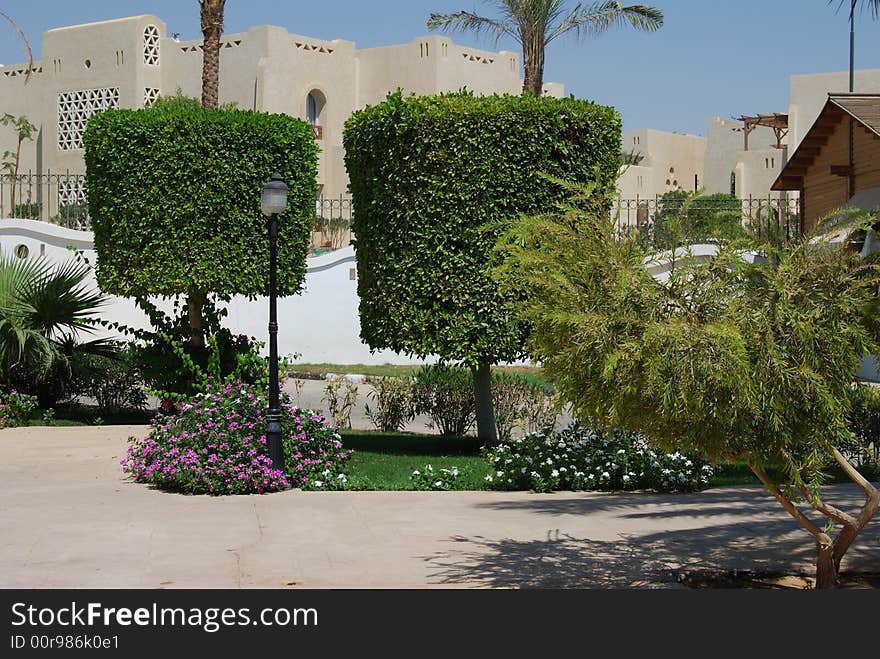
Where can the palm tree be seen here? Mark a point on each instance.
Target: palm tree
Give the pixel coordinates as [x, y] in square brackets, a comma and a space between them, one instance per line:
[536, 23]
[212, 27]
[874, 6]
[211, 12]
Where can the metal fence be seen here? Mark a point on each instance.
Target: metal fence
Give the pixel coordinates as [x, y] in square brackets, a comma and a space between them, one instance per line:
[60, 198]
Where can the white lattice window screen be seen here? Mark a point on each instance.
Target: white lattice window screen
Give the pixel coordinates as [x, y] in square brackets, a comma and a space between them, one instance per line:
[74, 110]
[71, 191]
[151, 45]
[150, 96]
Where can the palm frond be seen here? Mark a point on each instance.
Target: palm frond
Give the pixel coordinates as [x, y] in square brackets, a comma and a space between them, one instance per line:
[872, 5]
[465, 21]
[602, 16]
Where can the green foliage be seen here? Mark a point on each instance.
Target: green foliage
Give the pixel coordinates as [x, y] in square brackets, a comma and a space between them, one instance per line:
[446, 394]
[440, 480]
[174, 198]
[28, 210]
[24, 131]
[340, 396]
[115, 383]
[394, 405]
[578, 458]
[521, 402]
[43, 310]
[685, 217]
[16, 408]
[731, 359]
[433, 180]
[865, 425]
[72, 215]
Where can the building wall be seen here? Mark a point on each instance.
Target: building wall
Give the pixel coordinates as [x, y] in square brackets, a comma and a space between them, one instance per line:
[808, 94]
[755, 169]
[671, 161]
[266, 68]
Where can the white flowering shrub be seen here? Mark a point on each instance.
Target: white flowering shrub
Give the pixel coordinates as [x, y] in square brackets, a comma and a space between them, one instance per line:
[429, 478]
[578, 458]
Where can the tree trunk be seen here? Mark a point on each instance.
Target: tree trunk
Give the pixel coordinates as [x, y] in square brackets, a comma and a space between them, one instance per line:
[212, 28]
[826, 567]
[533, 69]
[486, 431]
[194, 302]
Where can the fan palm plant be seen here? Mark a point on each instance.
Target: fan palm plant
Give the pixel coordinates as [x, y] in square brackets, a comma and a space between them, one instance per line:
[536, 23]
[43, 310]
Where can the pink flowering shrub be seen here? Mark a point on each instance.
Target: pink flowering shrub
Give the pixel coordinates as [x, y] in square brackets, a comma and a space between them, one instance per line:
[216, 444]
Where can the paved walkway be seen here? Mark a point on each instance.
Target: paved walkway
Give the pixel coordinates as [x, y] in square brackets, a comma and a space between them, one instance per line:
[70, 519]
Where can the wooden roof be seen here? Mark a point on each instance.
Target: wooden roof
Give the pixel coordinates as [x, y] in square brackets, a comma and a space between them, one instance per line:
[864, 108]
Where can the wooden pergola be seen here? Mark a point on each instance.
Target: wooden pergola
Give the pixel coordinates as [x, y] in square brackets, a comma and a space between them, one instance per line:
[776, 120]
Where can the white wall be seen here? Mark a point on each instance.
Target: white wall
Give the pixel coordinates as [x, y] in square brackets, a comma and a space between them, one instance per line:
[322, 323]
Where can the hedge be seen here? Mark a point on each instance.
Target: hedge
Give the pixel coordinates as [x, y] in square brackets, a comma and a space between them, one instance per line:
[174, 199]
[428, 176]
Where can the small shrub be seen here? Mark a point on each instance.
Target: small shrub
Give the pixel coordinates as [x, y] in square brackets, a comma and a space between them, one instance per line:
[394, 404]
[16, 408]
[30, 210]
[521, 402]
[578, 458]
[865, 425]
[116, 384]
[340, 396]
[216, 444]
[445, 393]
[429, 479]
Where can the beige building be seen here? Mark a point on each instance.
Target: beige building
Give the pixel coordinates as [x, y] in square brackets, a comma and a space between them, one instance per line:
[129, 62]
[666, 161]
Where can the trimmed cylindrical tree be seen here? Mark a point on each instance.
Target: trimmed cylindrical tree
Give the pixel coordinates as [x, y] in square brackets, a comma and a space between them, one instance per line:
[174, 199]
[434, 180]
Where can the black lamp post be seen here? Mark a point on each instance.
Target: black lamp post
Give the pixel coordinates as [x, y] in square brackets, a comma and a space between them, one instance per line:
[273, 200]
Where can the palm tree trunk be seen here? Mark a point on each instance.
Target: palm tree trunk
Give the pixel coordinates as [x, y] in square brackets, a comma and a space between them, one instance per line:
[212, 28]
[533, 66]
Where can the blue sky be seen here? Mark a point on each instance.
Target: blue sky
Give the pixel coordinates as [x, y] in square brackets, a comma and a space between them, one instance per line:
[712, 58]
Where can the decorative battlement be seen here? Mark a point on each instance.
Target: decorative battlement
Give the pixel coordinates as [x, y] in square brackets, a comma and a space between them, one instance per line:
[14, 72]
[195, 47]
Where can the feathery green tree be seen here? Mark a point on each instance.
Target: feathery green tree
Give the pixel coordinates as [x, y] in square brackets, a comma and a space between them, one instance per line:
[733, 359]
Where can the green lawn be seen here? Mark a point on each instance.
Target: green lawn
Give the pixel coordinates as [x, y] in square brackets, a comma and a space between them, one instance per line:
[385, 461]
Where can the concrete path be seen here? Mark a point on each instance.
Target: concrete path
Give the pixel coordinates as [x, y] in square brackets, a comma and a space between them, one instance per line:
[68, 518]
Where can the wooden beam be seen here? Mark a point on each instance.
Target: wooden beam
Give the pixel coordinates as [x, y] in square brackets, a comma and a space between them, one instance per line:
[822, 130]
[818, 140]
[808, 151]
[789, 183]
[841, 170]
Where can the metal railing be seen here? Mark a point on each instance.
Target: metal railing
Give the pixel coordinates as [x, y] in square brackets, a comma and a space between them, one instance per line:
[59, 198]
[707, 217]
